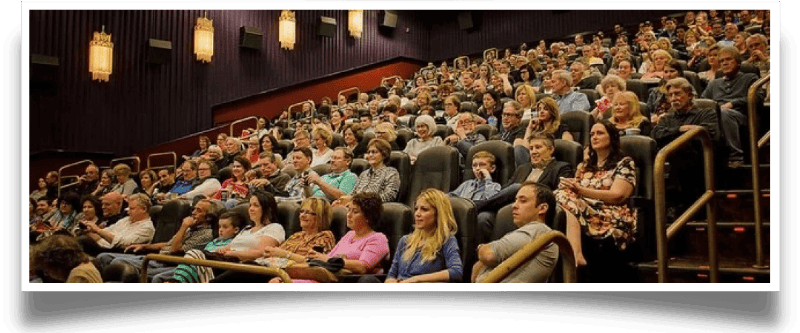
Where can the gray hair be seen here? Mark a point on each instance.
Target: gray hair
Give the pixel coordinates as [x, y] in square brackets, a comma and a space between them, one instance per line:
[562, 75]
[733, 52]
[517, 107]
[613, 79]
[683, 84]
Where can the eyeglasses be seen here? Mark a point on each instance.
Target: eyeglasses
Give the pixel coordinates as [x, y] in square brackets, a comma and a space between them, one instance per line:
[380, 133]
[373, 151]
[307, 212]
[506, 114]
[203, 169]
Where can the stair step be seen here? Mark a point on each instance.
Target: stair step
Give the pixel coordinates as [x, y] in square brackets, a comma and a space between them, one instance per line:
[735, 240]
[688, 269]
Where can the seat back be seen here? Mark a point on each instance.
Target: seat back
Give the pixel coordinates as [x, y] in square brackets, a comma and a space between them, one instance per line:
[504, 160]
[568, 151]
[486, 130]
[241, 210]
[644, 110]
[436, 167]
[539, 96]
[339, 222]
[468, 106]
[637, 87]
[285, 147]
[592, 95]
[705, 103]
[169, 219]
[443, 131]
[579, 123]
[322, 169]
[696, 82]
[396, 221]
[403, 137]
[465, 215]
[338, 141]
[410, 108]
[358, 166]
[289, 217]
[400, 161]
[288, 133]
[643, 150]
[462, 97]
[504, 222]
[225, 174]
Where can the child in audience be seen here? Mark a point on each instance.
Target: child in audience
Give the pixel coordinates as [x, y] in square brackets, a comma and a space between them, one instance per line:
[482, 187]
[229, 225]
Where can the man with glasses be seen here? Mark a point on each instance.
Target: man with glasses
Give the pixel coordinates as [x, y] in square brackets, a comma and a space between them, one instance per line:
[340, 181]
[183, 185]
[465, 135]
[270, 172]
[511, 120]
[302, 139]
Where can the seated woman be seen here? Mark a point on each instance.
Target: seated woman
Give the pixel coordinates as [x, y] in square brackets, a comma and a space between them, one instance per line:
[204, 142]
[147, 179]
[626, 114]
[215, 155]
[528, 76]
[253, 150]
[353, 137]
[657, 101]
[596, 204]
[425, 126]
[40, 191]
[501, 84]
[92, 211]
[63, 221]
[315, 222]
[379, 178]
[337, 121]
[362, 248]
[207, 185]
[268, 145]
[234, 190]
[713, 63]
[106, 183]
[548, 121]
[430, 253]
[125, 185]
[249, 243]
[386, 131]
[659, 60]
[61, 258]
[322, 141]
[526, 97]
[492, 109]
[609, 87]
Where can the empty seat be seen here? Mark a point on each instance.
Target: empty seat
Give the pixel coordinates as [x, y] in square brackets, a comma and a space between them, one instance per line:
[396, 221]
[579, 123]
[436, 167]
[284, 147]
[170, 218]
[568, 151]
[400, 161]
[637, 87]
[504, 160]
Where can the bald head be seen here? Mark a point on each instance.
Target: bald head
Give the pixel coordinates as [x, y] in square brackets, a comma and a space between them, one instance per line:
[111, 203]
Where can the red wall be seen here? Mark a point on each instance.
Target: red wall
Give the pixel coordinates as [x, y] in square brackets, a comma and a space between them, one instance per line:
[272, 103]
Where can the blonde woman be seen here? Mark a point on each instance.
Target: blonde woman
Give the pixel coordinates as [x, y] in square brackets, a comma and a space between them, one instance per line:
[125, 185]
[548, 121]
[430, 253]
[656, 68]
[322, 141]
[526, 96]
[385, 131]
[627, 115]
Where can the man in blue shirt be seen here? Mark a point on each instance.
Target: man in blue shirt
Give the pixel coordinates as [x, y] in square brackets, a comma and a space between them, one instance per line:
[567, 99]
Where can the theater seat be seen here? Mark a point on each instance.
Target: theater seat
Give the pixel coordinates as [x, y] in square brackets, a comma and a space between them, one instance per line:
[486, 130]
[568, 151]
[579, 123]
[504, 160]
[465, 215]
[539, 96]
[443, 131]
[705, 103]
[637, 87]
[643, 150]
[403, 137]
[696, 82]
[644, 110]
[322, 169]
[400, 161]
[225, 174]
[284, 147]
[396, 221]
[338, 141]
[289, 217]
[592, 95]
[339, 222]
[468, 106]
[436, 167]
[242, 210]
[359, 165]
[169, 219]
[462, 97]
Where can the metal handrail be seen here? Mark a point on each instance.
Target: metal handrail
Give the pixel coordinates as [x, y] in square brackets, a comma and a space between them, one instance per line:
[491, 49]
[763, 141]
[358, 91]
[289, 109]
[530, 251]
[241, 121]
[252, 269]
[174, 160]
[131, 158]
[455, 63]
[754, 145]
[662, 233]
[69, 184]
[396, 77]
[69, 166]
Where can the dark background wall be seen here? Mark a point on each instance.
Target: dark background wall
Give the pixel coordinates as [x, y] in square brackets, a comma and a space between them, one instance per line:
[143, 105]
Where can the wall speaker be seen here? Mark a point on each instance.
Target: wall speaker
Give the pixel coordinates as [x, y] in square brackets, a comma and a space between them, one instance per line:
[465, 21]
[250, 37]
[326, 26]
[389, 19]
[158, 51]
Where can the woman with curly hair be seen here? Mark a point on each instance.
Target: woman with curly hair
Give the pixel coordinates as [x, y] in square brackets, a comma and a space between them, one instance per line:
[60, 258]
[626, 114]
[548, 121]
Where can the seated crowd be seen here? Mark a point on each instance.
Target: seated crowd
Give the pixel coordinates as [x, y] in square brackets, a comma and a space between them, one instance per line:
[357, 156]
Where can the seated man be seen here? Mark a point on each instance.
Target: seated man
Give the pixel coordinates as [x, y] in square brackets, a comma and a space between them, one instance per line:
[112, 209]
[183, 185]
[567, 99]
[512, 130]
[295, 189]
[134, 229]
[88, 182]
[44, 210]
[730, 93]
[340, 181]
[465, 135]
[194, 233]
[302, 139]
[533, 208]
[759, 55]
[270, 172]
[233, 148]
[482, 187]
[166, 180]
[580, 79]
[366, 121]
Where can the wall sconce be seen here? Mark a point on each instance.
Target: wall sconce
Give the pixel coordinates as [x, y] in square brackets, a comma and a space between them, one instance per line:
[355, 23]
[204, 38]
[286, 29]
[101, 50]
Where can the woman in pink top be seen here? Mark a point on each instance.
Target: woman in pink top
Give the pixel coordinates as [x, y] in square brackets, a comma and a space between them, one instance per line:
[361, 248]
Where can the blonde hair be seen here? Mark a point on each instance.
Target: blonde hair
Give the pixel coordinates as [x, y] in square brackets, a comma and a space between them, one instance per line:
[633, 108]
[122, 169]
[322, 208]
[429, 245]
[392, 134]
[485, 154]
[529, 91]
[324, 133]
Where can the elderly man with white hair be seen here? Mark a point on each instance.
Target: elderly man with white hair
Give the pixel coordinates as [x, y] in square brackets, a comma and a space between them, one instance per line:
[567, 99]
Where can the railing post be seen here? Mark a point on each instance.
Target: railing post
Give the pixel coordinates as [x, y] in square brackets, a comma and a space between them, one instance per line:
[756, 172]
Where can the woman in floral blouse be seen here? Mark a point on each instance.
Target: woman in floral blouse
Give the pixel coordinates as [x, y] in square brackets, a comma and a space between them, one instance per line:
[595, 201]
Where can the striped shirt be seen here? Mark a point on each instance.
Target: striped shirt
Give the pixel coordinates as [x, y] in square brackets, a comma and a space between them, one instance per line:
[385, 181]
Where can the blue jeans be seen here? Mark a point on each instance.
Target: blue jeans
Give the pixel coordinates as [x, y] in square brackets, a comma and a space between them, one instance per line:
[158, 271]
